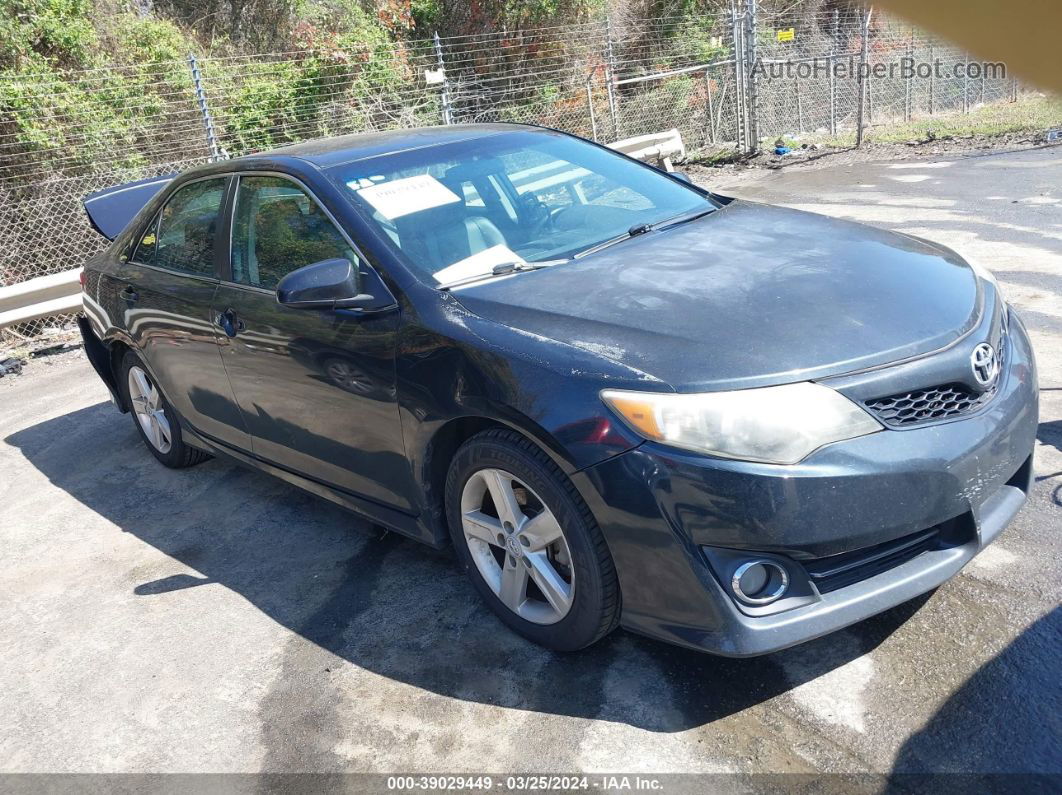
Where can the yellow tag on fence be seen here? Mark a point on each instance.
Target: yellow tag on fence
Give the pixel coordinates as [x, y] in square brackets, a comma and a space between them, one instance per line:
[786, 34]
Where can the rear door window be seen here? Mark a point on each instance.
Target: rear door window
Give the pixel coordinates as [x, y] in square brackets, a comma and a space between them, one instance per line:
[145, 249]
[182, 237]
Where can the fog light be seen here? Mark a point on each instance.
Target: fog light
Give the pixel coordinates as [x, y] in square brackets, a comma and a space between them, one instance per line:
[759, 582]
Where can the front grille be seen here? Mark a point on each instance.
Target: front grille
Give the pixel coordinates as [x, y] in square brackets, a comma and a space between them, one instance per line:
[928, 405]
[837, 571]
[935, 402]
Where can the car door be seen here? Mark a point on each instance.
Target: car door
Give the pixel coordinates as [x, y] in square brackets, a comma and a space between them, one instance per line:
[317, 388]
[165, 292]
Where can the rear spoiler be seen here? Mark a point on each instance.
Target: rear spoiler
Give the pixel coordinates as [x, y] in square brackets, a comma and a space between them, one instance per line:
[110, 210]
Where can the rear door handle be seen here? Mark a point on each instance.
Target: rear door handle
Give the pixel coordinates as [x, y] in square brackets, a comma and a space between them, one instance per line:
[129, 294]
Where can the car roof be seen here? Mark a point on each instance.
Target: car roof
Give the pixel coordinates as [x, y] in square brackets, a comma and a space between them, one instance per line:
[325, 152]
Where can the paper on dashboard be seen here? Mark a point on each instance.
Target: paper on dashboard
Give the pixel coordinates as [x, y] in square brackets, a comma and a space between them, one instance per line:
[405, 196]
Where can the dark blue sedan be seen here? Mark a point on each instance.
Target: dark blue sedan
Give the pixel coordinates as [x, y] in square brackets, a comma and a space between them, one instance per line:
[621, 399]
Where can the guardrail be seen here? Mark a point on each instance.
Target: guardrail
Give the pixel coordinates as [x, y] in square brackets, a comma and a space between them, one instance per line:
[56, 294]
[655, 146]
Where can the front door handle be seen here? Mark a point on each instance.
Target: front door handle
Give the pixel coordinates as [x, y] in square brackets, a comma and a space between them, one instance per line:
[129, 294]
[230, 322]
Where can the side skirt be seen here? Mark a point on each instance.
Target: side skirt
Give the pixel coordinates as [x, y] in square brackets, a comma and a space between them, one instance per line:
[399, 522]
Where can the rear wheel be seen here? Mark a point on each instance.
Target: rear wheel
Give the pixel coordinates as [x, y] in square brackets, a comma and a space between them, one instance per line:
[529, 544]
[155, 420]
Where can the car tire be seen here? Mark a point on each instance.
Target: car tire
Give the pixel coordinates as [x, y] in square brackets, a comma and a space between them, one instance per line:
[575, 570]
[140, 392]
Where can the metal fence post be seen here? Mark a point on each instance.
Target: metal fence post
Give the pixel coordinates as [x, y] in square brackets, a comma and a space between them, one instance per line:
[907, 80]
[864, 56]
[932, 74]
[711, 111]
[750, 32]
[447, 110]
[216, 151]
[870, 100]
[966, 83]
[740, 95]
[590, 103]
[610, 79]
[833, 71]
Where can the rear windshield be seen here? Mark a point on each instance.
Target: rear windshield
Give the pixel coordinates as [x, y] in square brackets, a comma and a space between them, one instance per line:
[459, 210]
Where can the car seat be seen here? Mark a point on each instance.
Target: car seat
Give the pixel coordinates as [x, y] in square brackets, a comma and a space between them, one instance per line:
[441, 236]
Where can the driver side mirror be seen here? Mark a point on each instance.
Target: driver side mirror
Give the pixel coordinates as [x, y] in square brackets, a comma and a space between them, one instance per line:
[328, 284]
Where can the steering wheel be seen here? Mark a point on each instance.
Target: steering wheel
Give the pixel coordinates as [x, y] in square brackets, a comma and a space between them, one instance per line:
[558, 214]
[536, 212]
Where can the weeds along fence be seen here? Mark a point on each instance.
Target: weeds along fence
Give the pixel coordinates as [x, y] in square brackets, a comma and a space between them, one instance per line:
[727, 81]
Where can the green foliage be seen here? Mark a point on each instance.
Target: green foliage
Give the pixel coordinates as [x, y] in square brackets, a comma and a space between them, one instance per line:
[335, 83]
[705, 44]
[427, 16]
[267, 97]
[135, 104]
[51, 31]
[345, 68]
[461, 17]
[66, 99]
[146, 40]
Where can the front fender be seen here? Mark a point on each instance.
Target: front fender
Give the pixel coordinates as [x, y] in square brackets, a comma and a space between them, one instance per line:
[547, 389]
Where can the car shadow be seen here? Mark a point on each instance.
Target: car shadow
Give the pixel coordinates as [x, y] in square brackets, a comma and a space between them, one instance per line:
[984, 728]
[1051, 433]
[388, 604]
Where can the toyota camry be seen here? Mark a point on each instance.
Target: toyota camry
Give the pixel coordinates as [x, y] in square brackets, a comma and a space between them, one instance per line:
[622, 400]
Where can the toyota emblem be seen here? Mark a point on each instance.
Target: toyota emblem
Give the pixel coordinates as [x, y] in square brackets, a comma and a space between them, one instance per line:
[985, 364]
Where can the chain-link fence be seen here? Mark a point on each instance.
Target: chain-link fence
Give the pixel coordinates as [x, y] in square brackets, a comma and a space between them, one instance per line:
[909, 74]
[725, 81]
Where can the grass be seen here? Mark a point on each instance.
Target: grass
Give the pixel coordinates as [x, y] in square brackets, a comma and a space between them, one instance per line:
[1029, 115]
[715, 157]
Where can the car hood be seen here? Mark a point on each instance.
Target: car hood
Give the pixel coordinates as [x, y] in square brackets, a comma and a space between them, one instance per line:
[749, 295]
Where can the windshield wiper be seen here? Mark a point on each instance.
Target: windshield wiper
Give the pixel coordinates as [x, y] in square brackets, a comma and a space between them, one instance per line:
[634, 231]
[641, 229]
[503, 269]
[682, 218]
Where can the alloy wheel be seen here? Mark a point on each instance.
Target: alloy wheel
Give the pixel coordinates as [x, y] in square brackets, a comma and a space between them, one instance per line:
[518, 546]
[147, 405]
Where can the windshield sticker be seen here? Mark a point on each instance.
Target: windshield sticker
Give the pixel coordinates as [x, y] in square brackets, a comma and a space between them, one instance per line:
[404, 196]
[479, 264]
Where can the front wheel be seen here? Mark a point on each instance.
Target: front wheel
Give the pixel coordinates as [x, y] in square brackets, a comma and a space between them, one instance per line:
[529, 543]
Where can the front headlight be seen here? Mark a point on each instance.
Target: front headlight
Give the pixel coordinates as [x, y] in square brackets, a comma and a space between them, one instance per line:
[775, 425]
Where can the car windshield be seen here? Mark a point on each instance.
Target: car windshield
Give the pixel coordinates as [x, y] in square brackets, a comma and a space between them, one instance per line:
[475, 207]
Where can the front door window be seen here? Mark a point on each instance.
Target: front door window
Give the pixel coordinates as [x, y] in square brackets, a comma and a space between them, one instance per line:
[278, 228]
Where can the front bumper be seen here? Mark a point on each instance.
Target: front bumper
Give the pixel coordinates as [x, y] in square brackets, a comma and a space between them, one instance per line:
[663, 511]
